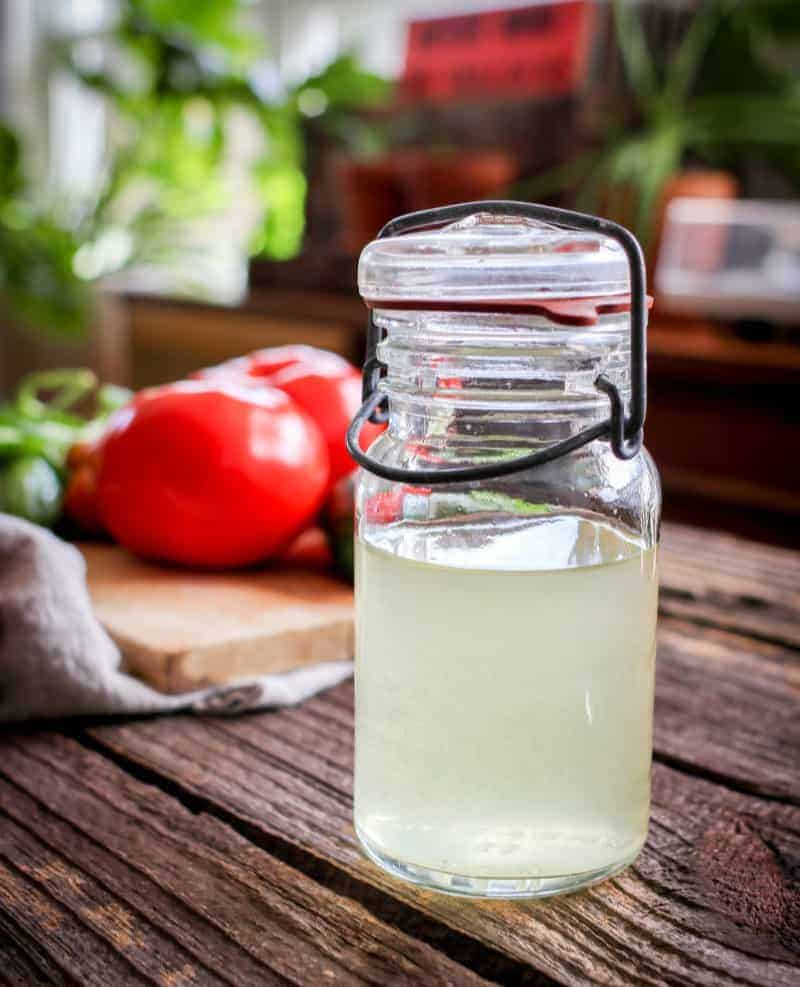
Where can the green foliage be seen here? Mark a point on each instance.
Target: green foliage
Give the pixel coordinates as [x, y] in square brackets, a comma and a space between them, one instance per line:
[188, 65]
[176, 73]
[36, 252]
[724, 93]
[10, 165]
[37, 275]
[332, 95]
[199, 24]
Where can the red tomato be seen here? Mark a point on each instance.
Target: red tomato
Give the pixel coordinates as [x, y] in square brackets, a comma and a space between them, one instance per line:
[80, 496]
[80, 499]
[265, 363]
[208, 473]
[310, 550]
[324, 384]
[332, 396]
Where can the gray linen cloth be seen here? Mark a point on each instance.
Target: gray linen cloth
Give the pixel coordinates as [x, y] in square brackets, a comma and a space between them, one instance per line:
[56, 659]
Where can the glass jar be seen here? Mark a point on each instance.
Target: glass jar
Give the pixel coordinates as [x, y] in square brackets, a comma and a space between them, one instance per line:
[505, 624]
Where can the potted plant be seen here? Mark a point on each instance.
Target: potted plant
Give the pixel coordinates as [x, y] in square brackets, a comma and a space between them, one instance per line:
[374, 189]
[724, 93]
[50, 263]
[179, 81]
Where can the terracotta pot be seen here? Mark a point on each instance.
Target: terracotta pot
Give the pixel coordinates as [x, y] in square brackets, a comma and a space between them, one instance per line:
[621, 203]
[375, 191]
[694, 183]
[369, 196]
[438, 178]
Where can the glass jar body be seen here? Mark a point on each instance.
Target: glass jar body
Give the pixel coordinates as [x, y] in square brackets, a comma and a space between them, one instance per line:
[504, 653]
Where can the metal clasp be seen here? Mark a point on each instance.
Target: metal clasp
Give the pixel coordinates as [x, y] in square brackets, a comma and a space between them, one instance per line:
[623, 432]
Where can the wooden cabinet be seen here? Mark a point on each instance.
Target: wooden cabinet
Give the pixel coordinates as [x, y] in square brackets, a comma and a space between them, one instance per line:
[723, 425]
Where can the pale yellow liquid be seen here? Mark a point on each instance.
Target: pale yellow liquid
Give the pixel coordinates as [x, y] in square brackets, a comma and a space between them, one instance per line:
[504, 712]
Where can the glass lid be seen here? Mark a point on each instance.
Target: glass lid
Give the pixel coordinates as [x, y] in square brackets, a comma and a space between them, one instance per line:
[489, 259]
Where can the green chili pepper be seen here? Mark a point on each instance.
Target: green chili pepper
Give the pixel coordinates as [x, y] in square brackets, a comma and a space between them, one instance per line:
[67, 387]
[30, 488]
[110, 397]
[37, 434]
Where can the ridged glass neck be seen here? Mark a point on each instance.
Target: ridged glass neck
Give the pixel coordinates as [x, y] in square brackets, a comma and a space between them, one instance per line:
[497, 380]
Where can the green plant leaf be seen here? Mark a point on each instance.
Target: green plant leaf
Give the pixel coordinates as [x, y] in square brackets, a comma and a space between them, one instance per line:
[11, 180]
[346, 83]
[740, 120]
[283, 187]
[216, 24]
[685, 65]
[778, 18]
[554, 180]
[636, 56]
[176, 71]
[37, 277]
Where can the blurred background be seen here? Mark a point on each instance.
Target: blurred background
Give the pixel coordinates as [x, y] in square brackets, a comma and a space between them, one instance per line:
[182, 181]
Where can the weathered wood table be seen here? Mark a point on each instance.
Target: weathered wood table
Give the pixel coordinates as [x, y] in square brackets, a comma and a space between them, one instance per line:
[185, 851]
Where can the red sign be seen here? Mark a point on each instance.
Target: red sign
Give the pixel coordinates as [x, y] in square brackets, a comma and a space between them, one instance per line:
[539, 50]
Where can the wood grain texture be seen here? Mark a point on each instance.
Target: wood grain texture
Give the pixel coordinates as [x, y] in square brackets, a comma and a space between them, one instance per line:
[710, 900]
[727, 582]
[728, 707]
[201, 855]
[182, 630]
[120, 885]
[170, 340]
[24, 962]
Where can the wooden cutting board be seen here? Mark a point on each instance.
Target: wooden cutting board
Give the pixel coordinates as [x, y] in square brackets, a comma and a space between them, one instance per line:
[182, 629]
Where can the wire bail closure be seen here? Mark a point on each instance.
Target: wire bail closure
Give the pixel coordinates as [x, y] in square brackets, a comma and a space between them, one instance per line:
[623, 432]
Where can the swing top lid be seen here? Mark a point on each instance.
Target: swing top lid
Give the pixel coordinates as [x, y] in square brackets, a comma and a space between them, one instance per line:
[498, 263]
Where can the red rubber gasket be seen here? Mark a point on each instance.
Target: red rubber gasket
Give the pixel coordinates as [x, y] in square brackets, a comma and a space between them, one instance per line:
[563, 311]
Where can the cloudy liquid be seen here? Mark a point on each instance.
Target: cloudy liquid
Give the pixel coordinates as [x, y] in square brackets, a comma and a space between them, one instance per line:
[503, 712]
